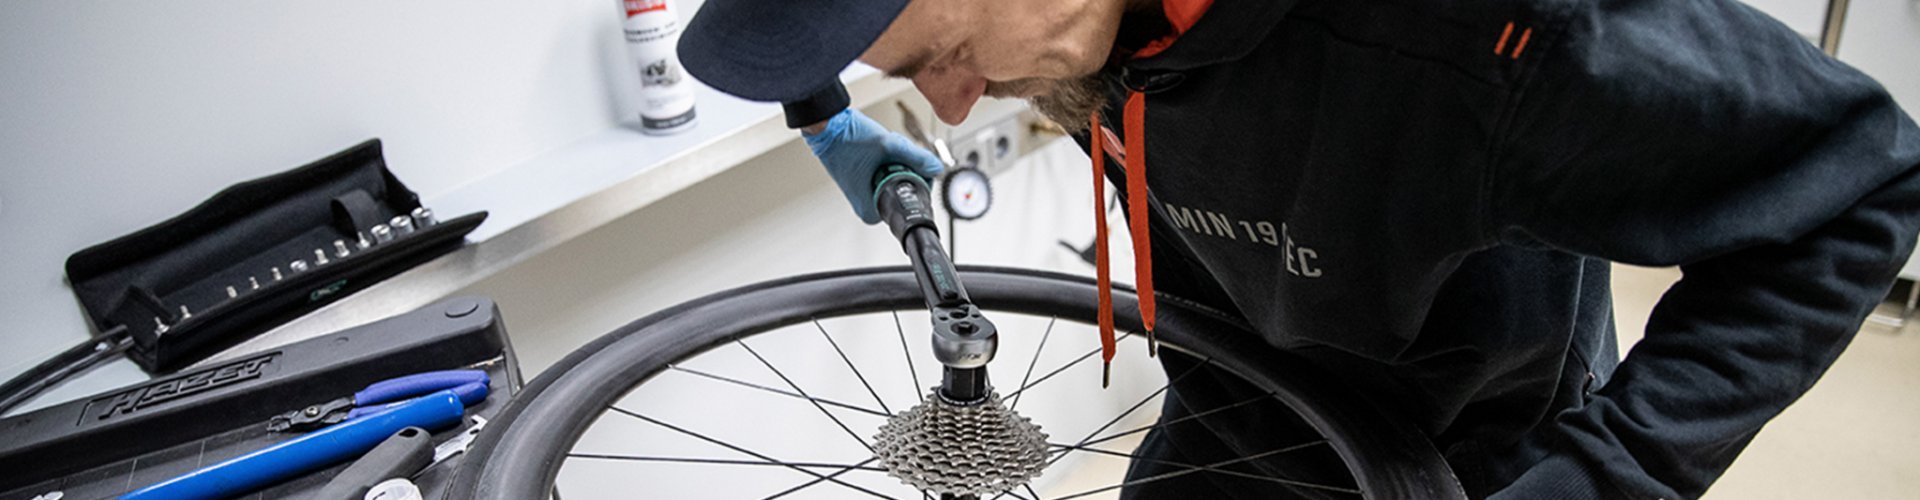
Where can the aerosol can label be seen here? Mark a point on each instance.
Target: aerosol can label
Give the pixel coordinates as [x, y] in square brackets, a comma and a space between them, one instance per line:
[666, 97]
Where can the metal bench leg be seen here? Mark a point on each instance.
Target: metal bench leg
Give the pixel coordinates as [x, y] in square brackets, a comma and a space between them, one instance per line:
[1907, 310]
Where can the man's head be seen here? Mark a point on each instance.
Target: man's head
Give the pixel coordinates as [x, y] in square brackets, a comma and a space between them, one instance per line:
[955, 51]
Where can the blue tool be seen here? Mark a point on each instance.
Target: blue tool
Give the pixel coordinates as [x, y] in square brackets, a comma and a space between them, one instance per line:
[313, 451]
[377, 396]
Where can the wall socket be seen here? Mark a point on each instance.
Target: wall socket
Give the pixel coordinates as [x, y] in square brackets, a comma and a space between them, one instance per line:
[992, 147]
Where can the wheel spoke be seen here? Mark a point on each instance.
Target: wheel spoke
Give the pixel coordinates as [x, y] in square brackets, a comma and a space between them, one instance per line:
[737, 448]
[1029, 487]
[1015, 404]
[790, 394]
[828, 477]
[722, 461]
[1136, 406]
[1234, 473]
[1143, 401]
[1062, 368]
[1215, 465]
[856, 370]
[803, 392]
[909, 355]
[1157, 425]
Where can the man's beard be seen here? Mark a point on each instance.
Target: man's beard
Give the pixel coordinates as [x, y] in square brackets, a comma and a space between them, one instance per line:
[1068, 102]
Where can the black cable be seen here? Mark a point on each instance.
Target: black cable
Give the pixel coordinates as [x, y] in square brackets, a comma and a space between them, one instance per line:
[76, 359]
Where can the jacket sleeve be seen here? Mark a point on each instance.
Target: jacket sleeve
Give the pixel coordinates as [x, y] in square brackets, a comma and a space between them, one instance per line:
[1705, 135]
[818, 106]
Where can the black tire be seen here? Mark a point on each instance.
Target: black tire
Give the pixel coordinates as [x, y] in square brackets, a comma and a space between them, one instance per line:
[521, 450]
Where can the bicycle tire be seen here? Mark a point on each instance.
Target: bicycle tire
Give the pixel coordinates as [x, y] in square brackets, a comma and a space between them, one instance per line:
[520, 452]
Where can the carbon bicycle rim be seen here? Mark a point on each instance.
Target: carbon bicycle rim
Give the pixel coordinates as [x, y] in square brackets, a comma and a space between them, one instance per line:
[525, 448]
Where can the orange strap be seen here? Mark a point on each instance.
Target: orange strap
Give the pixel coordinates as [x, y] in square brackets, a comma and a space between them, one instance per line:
[1135, 124]
[1102, 278]
[1182, 14]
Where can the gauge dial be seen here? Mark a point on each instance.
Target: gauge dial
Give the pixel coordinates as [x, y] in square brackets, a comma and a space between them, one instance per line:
[967, 193]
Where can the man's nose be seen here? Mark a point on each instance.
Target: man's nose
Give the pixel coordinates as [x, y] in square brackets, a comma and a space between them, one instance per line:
[951, 91]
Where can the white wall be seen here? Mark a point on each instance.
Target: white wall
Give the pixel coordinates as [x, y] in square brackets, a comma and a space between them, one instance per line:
[1804, 16]
[1882, 38]
[119, 114]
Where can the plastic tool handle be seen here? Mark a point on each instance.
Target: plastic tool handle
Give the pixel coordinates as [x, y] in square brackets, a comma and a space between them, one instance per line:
[401, 455]
[315, 450]
[901, 197]
[469, 393]
[395, 389]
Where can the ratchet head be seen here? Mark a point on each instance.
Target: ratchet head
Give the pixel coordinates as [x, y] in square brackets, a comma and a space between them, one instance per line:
[962, 338]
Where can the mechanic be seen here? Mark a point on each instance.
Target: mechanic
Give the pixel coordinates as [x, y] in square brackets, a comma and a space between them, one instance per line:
[1456, 175]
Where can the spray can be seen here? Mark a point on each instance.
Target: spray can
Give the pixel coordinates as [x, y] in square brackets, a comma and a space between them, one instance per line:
[666, 97]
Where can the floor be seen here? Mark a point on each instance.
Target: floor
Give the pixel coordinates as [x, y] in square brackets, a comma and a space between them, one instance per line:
[1855, 435]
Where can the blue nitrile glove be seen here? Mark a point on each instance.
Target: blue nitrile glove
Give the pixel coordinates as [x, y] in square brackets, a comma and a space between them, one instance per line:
[853, 147]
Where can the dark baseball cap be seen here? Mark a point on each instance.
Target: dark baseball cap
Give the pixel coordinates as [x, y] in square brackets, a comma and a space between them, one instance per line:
[780, 50]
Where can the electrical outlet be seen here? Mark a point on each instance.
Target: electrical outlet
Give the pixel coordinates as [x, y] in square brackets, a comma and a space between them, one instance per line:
[995, 144]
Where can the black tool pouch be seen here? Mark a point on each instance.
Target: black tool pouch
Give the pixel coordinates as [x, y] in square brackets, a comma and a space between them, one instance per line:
[169, 283]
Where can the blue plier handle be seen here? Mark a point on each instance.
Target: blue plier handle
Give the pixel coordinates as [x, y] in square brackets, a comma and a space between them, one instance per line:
[469, 385]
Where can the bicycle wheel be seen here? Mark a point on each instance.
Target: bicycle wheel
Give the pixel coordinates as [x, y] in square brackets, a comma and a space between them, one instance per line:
[524, 449]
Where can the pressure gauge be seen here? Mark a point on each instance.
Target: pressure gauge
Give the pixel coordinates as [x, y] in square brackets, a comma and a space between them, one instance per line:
[967, 193]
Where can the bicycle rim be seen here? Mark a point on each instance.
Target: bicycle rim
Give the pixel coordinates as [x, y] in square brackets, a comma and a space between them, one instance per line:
[525, 446]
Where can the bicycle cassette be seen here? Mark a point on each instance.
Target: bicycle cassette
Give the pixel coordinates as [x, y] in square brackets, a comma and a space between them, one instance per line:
[979, 449]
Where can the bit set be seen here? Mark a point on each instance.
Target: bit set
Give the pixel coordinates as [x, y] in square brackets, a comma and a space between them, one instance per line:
[421, 217]
[258, 254]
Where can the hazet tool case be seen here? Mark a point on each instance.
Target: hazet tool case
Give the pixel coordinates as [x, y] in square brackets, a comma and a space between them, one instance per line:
[132, 437]
[256, 255]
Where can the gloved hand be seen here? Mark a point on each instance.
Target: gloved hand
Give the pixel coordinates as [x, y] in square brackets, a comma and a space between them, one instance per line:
[853, 147]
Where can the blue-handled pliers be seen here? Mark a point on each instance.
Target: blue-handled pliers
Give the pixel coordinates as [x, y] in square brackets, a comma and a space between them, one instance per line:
[469, 385]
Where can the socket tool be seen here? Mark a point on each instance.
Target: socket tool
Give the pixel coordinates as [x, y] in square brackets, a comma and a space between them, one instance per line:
[471, 385]
[381, 233]
[307, 453]
[922, 446]
[423, 217]
[402, 225]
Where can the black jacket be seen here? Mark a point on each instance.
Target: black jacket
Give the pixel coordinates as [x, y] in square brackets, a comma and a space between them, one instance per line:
[1416, 194]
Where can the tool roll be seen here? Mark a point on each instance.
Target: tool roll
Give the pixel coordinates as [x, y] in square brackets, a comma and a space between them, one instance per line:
[257, 254]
